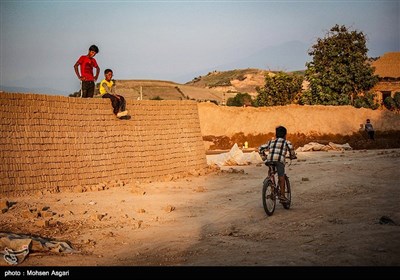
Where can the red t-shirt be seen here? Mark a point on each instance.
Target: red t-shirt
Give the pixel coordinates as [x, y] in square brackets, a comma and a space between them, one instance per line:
[86, 65]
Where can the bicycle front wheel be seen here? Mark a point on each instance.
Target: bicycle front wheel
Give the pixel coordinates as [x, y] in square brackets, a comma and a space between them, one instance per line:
[288, 193]
[268, 197]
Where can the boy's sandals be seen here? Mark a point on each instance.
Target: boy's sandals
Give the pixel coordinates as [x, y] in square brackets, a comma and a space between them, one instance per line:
[122, 114]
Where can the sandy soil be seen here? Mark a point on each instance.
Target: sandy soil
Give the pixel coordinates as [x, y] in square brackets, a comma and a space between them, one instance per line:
[338, 199]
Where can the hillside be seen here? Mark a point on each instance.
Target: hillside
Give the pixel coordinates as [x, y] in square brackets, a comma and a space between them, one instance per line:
[233, 81]
[166, 90]
[215, 86]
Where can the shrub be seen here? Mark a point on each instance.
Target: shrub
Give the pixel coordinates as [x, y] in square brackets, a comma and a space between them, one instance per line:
[389, 103]
[366, 101]
[396, 99]
[240, 99]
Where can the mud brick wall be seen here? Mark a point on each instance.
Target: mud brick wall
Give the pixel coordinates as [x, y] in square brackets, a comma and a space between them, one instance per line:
[50, 142]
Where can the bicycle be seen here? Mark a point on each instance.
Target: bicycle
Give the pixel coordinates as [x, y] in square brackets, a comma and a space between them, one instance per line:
[271, 191]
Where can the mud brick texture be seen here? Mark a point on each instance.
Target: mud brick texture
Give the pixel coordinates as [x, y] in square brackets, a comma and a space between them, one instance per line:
[52, 142]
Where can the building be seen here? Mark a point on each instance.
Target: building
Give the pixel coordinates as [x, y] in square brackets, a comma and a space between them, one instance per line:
[387, 67]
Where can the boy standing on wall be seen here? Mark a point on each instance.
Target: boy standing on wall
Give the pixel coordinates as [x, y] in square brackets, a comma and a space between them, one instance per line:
[87, 63]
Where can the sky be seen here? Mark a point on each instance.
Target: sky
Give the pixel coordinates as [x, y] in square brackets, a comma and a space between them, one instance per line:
[40, 41]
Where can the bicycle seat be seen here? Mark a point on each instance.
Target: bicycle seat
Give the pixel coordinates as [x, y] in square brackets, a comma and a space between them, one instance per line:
[269, 163]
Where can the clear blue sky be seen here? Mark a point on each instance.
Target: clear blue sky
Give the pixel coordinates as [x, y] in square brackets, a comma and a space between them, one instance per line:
[40, 41]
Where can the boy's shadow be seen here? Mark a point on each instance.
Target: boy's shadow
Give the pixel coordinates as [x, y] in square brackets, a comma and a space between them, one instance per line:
[127, 117]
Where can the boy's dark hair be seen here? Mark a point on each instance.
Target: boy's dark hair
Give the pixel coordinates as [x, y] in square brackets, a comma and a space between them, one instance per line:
[280, 132]
[94, 48]
[107, 71]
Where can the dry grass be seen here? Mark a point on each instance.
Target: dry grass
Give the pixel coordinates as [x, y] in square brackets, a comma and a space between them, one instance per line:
[165, 90]
[215, 86]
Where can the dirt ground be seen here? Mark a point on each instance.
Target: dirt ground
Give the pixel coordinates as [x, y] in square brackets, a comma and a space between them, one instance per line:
[342, 205]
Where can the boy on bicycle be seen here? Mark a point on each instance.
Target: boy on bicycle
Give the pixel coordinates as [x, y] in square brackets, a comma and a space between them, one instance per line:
[277, 149]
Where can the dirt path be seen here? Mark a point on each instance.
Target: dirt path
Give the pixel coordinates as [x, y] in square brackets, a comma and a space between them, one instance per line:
[218, 219]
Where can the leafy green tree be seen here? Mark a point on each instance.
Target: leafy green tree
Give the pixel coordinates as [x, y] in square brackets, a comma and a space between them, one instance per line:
[156, 98]
[339, 70]
[240, 100]
[366, 101]
[389, 103]
[396, 99]
[280, 89]
[75, 94]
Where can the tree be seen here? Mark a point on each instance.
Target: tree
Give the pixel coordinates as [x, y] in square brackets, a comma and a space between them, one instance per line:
[366, 101]
[339, 70]
[156, 98]
[389, 103]
[240, 100]
[75, 94]
[396, 99]
[280, 89]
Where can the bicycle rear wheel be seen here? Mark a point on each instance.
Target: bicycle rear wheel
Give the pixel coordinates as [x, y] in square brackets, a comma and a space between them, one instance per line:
[268, 197]
[288, 193]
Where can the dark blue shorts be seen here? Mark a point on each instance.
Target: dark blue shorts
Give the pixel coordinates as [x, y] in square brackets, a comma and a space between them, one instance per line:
[280, 167]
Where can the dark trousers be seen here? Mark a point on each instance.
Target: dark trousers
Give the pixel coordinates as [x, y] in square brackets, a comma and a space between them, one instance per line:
[118, 102]
[87, 89]
[371, 135]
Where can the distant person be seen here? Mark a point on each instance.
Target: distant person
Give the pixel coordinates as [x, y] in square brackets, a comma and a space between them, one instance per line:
[87, 63]
[277, 149]
[107, 90]
[369, 129]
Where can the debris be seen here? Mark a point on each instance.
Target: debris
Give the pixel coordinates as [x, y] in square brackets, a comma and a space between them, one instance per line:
[235, 157]
[16, 247]
[314, 146]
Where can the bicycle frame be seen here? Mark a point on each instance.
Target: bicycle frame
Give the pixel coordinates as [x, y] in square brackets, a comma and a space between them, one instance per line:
[271, 191]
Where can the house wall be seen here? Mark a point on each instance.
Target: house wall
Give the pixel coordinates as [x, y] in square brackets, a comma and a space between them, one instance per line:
[384, 86]
[308, 120]
[50, 142]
